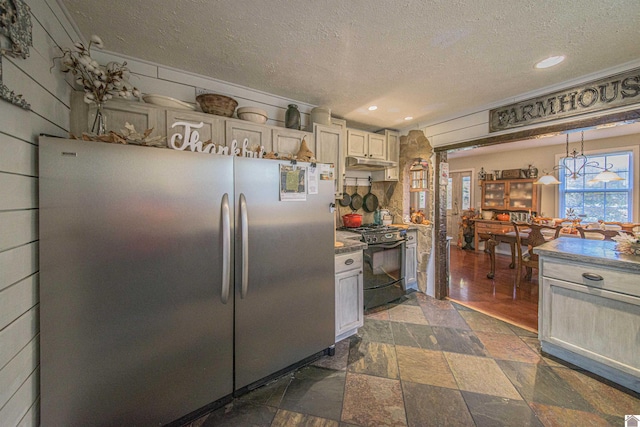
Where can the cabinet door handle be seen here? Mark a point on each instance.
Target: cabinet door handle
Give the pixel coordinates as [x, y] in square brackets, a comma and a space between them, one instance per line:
[593, 277]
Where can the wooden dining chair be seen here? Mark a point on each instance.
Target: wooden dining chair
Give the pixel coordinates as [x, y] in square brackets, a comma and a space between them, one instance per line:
[532, 236]
[606, 234]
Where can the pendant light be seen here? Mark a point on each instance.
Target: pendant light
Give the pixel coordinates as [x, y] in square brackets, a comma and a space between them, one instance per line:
[574, 165]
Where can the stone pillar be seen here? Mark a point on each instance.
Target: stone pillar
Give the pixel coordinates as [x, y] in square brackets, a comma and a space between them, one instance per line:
[413, 147]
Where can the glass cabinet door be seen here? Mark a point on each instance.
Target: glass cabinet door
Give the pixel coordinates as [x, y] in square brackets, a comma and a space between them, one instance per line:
[521, 195]
[494, 195]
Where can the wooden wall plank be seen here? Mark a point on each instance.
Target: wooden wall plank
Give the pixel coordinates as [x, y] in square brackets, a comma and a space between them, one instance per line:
[16, 372]
[17, 264]
[18, 192]
[41, 11]
[17, 335]
[17, 156]
[18, 228]
[138, 67]
[32, 417]
[20, 404]
[47, 106]
[17, 299]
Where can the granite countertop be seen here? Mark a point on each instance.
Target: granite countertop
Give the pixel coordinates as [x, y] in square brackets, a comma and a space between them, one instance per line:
[597, 252]
[351, 242]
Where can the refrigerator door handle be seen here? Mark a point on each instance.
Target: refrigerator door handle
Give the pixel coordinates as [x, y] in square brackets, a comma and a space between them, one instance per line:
[244, 227]
[226, 249]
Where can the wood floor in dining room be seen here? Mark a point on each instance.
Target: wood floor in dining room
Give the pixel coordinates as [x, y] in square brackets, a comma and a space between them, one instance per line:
[497, 297]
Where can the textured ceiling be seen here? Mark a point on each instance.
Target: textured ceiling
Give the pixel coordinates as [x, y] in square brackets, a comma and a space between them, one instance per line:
[427, 59]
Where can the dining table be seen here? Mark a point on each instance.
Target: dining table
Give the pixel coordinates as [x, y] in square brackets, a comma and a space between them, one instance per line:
[493, 239]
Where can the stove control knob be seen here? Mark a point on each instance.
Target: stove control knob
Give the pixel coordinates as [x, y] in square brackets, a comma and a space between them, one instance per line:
[374, 239]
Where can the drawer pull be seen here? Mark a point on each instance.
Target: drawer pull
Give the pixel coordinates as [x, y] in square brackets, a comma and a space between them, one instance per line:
[349, 261]
[593, 276]
[410, 238]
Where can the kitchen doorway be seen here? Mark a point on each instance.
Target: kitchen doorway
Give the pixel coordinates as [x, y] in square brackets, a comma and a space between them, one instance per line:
[459, 198]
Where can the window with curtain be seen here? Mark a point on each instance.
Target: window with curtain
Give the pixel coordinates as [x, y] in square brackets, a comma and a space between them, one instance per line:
[608, 201]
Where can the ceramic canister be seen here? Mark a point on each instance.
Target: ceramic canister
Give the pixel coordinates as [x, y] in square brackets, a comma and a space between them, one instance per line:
[321, 115]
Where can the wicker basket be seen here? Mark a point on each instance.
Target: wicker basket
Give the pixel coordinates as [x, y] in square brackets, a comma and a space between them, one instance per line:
[217, 104]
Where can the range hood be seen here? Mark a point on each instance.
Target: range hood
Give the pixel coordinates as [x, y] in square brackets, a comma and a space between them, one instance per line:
[362, 164]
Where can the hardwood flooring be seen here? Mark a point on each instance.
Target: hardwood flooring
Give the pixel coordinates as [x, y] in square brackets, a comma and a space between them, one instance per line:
[497, 297]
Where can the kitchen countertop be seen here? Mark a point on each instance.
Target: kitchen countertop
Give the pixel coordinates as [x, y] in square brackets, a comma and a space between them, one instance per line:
[597, 252]
[351, 242]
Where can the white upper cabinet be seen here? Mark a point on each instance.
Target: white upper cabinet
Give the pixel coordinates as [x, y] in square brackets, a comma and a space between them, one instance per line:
[366, 144]
[256, 134]
[377, 146]
[287, 141]
[330, 149]
[357, 143]
[392, 141]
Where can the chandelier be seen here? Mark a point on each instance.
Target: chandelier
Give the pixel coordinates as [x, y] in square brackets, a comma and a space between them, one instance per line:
[574, 164]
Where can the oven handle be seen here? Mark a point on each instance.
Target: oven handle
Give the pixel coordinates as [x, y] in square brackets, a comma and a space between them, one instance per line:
[387, 246]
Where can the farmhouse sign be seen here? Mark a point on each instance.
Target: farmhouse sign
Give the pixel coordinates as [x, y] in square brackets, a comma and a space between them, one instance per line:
[610, 92]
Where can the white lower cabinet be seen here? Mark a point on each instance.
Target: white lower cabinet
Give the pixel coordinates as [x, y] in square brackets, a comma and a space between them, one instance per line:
[411, 260]
[590, 316]
[349, 294]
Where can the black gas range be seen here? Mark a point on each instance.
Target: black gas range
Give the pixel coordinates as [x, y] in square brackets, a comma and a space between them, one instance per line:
[384, 261]
[374, 233]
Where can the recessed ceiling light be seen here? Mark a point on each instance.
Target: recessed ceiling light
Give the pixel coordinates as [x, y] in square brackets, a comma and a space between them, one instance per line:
[408, 118]
[550, 61]
[373, 108]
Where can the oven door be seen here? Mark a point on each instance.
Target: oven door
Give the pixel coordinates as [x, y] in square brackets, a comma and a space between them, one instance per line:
[383, 273]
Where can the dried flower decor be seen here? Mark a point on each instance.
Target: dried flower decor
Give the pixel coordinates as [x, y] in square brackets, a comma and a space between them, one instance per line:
[100, 83]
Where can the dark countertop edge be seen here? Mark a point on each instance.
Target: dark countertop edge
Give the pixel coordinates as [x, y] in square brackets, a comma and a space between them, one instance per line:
[351, 242]
[350, 245]
[597, 252]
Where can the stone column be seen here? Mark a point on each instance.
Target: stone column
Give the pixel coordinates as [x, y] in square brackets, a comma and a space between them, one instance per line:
[413, 147]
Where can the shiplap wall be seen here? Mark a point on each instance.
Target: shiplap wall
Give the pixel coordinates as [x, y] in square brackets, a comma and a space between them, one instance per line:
[49, 95]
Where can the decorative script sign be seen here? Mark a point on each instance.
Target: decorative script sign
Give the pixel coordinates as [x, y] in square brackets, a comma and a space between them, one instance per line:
[190, 140]
[610, 92]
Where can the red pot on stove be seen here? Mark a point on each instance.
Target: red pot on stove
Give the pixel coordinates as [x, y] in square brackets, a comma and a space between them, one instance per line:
[352, 220]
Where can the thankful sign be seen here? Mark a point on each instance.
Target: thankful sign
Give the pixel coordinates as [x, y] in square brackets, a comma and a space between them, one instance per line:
[190, 140]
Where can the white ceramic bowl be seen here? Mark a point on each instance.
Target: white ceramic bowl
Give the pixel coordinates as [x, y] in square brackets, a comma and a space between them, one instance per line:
[252, 114]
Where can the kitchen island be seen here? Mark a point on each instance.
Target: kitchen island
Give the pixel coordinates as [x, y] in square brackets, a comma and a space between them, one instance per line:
[589, 312]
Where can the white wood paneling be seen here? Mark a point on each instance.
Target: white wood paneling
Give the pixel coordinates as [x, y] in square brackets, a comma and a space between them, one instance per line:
[18, 228]
[18, 157]
[18, 263]
[48, 106]
[20, 404]
[32, 417]
[459, 135]
[17, 335]
[27, 126]
[18, 192]
[52, 23]
[18, 370]
[470, 120]
[17, 299]
[138, 67]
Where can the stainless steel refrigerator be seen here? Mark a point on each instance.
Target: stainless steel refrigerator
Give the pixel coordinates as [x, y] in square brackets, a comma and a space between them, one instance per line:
[170, 279]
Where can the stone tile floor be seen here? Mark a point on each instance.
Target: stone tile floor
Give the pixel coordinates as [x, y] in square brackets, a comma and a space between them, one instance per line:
[425, 362]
